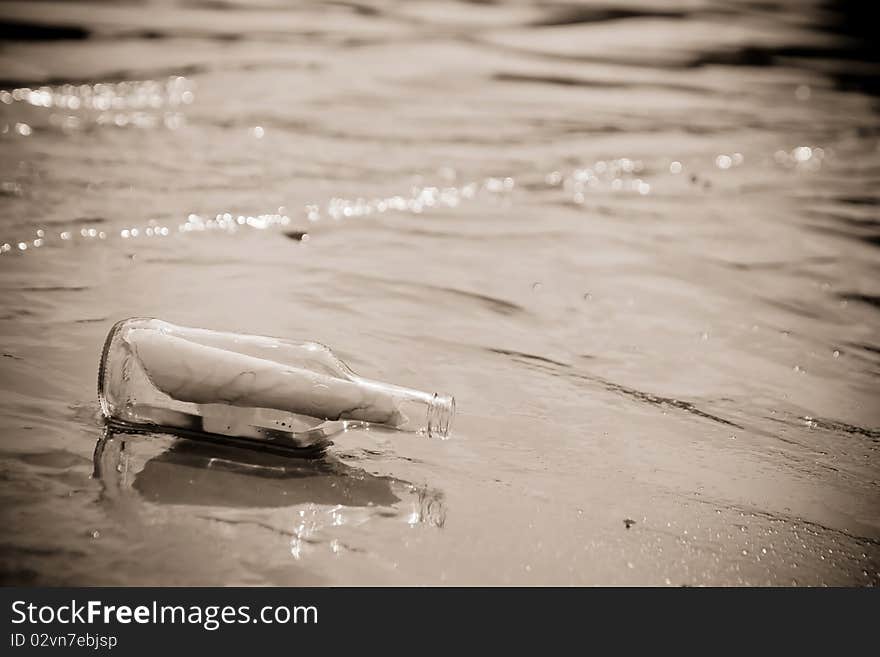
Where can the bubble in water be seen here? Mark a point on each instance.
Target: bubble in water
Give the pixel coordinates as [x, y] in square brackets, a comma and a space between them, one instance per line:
[723, 161]
[493, 184]
[803, 92]
[803, 153]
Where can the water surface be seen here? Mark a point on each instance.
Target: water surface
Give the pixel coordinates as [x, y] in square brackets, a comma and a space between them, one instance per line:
[638, 242]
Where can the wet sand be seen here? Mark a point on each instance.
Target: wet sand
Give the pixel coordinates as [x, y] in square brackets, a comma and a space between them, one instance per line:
[637, 243]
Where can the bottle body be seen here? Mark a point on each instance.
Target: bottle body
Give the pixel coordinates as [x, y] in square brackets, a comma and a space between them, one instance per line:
[156, 376]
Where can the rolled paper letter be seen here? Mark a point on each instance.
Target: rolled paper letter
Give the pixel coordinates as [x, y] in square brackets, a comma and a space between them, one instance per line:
[199, 374]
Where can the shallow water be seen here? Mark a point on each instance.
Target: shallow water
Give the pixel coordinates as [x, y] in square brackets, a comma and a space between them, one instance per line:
[637, 242]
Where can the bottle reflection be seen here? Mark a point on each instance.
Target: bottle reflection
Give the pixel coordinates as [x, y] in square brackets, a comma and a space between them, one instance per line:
[324, 494]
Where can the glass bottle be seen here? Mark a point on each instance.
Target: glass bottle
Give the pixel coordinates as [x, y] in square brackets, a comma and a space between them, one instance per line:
[157, 376]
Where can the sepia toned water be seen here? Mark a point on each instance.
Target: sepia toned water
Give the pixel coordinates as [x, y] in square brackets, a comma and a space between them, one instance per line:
[637, 241]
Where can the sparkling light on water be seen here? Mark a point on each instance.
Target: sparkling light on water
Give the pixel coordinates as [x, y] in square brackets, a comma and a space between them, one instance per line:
[615, 175]
[134, 103]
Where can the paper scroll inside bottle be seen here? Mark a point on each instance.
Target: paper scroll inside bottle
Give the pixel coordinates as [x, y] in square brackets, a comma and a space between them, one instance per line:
[191, 372]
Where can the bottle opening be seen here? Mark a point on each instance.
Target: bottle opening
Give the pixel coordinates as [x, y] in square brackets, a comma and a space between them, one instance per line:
[441, 411]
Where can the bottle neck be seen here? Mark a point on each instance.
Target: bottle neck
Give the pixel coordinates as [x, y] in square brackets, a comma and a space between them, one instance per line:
[441, 410]
[415, 410]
